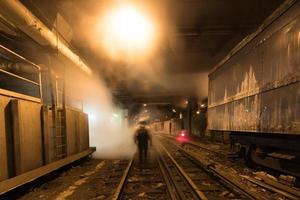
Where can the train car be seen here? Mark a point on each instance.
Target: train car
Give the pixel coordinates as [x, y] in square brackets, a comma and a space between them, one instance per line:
[35, 137]
[254, 93]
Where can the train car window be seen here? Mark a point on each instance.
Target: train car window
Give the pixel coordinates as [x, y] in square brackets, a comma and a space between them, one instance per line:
[20, 77]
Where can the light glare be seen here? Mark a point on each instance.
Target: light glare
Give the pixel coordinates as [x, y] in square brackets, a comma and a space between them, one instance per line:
[128, 31]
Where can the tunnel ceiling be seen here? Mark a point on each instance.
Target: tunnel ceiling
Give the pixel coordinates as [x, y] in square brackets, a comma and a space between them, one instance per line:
[205, 31]
[208, 29]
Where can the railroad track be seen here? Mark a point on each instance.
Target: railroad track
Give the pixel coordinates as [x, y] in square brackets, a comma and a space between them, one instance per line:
[180, 184]
[142, 182]
[212, 187]
[106, 178]
[171, 174]
[284, 190]
[235, 181]
[161, 178]
[195, 146]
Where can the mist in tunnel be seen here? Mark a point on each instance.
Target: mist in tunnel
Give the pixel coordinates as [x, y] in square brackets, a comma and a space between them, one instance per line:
[130, 55]
[108, 130]
[141, 65]
[124, 36]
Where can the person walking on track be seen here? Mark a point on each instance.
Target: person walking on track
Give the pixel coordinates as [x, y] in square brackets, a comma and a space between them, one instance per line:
[142, 138]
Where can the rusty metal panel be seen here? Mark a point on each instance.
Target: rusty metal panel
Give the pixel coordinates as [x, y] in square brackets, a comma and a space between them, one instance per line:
[257, 89]
[273, 18]
[281, 56]
[27, 135]
[279, 110]
[218, 117]
[275, 111]
[240, 77]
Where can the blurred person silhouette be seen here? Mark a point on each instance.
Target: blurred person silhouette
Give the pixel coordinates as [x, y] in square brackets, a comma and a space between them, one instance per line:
[142, 138]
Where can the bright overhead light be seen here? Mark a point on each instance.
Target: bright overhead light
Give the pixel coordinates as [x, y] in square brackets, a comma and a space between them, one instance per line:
[128, 30]
[202, 105]
[198, 112]
[174, 110]
[144, 105]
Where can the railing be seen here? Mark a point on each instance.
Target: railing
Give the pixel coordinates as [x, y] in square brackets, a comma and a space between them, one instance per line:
[19, 77]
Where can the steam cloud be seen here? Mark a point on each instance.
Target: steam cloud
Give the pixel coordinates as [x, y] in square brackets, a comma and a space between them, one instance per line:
[108, 131]
[107, 128]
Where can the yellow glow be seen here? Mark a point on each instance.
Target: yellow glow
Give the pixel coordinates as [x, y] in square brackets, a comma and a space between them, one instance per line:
[127, 31]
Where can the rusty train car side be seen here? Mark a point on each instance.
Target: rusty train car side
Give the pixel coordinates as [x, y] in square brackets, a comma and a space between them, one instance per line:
[255, 92]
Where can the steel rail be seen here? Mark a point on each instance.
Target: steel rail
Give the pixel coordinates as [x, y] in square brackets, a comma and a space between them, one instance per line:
[229, 181]
[286, 191]
[222, 176]
[171, 185]
[121, 185]
[195, 144]
[196, 147]
[292, 194]
[273, 189]
[199, 193]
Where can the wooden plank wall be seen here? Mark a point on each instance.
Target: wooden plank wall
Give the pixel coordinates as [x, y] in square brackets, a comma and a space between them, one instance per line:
[28, 149]
[27, 139]
[84, 132]
[77, 131]
[49, 137]
[72, 130]
[4, 132]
